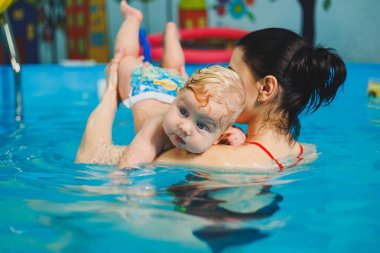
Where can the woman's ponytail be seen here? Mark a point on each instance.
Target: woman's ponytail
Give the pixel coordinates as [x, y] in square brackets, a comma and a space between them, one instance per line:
[316, 73]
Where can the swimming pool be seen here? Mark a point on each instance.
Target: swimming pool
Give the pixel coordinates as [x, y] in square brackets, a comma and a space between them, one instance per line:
[50, 204]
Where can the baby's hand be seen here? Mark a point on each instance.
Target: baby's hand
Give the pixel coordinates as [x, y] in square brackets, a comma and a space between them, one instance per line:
[233, 136]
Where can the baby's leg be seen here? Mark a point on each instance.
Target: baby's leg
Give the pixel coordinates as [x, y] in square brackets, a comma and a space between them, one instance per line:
[126, 67]
[127, 42]
[173, 57]
[127, 39]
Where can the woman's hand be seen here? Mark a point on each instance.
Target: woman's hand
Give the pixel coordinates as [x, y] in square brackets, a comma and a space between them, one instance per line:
[233, 136]
[111, 70]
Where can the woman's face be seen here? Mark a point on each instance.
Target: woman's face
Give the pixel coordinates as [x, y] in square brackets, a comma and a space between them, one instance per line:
[250, 84]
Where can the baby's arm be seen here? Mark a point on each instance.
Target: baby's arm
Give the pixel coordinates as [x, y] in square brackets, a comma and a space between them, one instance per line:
[233, 136]
[147, 144]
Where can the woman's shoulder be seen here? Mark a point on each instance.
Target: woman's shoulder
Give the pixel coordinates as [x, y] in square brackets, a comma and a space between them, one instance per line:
[221, 156]
[225, 156]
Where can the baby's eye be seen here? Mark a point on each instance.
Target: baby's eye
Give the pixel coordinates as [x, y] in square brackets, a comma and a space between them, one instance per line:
[183, 111]
[202, 126]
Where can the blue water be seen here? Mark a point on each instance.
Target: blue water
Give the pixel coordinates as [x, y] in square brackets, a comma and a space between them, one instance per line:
[50, 204]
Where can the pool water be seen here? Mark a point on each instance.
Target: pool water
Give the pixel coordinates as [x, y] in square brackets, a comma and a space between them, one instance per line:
[50, 204]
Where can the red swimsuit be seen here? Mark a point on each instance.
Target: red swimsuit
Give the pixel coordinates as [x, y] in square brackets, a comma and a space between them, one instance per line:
[299, 158]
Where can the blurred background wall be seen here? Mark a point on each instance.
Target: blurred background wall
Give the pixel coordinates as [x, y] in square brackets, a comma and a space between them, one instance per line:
[349, 26]
[352, 27]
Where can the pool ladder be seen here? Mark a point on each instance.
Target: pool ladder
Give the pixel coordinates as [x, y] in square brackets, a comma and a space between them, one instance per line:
[7, 37]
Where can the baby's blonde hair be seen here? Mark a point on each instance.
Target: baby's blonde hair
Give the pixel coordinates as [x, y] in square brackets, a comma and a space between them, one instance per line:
[221, 84]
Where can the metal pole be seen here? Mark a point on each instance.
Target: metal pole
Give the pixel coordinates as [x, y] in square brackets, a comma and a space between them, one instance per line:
[10, 44]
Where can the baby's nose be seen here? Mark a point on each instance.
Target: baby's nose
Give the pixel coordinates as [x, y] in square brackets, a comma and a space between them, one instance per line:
[186, 128]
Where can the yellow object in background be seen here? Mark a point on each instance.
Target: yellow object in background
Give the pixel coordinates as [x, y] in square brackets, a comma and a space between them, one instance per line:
[4, 4]
[374, 88]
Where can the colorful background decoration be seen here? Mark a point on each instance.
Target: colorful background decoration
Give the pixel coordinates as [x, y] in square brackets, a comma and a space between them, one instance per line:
[50, 31]
[241, 8]
[86, 30]
[84, 23]
[192, 14]
[23, 16]
[235, 8]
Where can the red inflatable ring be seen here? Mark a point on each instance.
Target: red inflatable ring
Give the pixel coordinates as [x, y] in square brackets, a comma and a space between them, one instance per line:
[200, 56]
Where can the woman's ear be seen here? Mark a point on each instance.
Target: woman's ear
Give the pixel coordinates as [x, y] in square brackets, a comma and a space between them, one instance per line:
[268, 88]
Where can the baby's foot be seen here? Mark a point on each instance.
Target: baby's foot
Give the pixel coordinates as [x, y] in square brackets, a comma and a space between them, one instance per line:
[128, 11]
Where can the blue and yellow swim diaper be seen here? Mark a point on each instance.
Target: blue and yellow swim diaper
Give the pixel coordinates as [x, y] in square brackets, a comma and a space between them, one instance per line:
[150, 82]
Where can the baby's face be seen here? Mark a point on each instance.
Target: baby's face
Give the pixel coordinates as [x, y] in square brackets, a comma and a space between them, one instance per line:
[192, 127]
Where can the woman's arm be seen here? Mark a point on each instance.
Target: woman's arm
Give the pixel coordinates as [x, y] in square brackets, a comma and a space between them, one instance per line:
[96, 145]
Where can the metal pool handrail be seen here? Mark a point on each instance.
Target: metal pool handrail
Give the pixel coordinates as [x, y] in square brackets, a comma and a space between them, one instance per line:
[6, 33]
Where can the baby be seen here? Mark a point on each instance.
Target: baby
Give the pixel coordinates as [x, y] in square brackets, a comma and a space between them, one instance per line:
[204, 108]
[201, 109]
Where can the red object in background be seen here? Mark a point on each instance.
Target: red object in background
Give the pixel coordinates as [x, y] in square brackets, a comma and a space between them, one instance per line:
[221, 10]
[200, 56]
[249, 2]
[189, 19]
[77, 29]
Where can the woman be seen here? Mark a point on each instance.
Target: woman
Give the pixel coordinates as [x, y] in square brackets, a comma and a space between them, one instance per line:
[283, 76]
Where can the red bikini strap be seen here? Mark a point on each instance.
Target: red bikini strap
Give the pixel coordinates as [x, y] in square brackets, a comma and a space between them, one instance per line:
[268, 153]
[299, 158]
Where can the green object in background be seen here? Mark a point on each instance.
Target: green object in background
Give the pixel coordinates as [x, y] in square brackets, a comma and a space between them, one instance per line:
[326, 4]
[192, 4]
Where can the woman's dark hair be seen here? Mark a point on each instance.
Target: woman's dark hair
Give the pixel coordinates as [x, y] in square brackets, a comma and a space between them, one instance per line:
[308, 76]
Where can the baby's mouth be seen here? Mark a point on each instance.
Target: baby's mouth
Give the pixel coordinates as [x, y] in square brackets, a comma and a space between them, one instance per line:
[179, 139]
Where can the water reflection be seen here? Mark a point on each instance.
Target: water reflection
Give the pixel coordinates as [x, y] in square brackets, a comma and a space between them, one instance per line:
[202, 210]
[225, 205]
